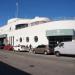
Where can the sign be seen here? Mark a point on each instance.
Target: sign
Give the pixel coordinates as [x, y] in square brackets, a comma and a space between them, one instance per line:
[60, 32]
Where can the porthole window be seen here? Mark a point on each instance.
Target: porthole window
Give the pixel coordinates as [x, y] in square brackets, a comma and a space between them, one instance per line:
[16, 39]
[27, 39]
[36, 38]
[20, 39]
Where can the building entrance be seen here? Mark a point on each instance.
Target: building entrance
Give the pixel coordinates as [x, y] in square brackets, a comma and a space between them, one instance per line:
[59, 35]
[54, 40]
[2, 38]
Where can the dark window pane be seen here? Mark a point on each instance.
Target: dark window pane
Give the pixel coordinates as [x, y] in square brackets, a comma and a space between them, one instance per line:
[36, 38]
[19, 26]
[27, 39]
[20, 39]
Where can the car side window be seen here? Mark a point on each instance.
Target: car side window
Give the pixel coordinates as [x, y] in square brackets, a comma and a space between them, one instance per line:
[61, 44]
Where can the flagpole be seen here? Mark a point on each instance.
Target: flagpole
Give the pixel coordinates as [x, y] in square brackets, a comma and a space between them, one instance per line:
[17, 9]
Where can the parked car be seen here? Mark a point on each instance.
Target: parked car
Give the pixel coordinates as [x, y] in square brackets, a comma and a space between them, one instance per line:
[2, 46]
[65, 48]
[43, 49]
[20, 48]
[8, 47]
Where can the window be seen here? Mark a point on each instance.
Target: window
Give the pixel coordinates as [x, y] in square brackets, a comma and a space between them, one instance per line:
[19, 26]
[36, 38]
[10, 28]
[16, 39]
[27, 39]
[61, 44]
[41, 46]
[20, 39]
[13, 40]
[38, 22]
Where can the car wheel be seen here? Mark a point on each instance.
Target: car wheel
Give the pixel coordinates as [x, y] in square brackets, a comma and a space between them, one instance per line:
[18, 50]
[34, 52]
[57, 53]
[45, 53]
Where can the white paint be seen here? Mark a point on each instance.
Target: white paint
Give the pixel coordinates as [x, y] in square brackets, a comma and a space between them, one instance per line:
[36, 30]
[67, 48]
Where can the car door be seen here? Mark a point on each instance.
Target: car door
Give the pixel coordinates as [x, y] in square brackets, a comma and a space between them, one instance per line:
[39, 50]
[68, 48]
[71, 48]
[62, 48]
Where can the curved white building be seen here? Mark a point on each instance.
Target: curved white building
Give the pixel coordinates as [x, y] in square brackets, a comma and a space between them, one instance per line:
[37, 31]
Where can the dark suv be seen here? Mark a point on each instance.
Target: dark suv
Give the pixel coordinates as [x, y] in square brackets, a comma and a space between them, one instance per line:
[43, 49]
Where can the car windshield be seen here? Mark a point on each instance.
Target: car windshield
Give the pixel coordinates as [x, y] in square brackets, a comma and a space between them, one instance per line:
[61, 44]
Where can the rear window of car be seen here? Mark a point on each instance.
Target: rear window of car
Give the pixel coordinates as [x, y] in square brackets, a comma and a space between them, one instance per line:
[41, 46]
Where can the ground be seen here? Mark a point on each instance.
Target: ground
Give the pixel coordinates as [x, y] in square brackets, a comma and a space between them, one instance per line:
[21, 63]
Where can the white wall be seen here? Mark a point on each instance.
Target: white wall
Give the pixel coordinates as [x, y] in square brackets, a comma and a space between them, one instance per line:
[37, 30]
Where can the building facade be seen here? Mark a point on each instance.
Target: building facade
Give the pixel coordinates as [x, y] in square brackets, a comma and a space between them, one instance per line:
[37, 31]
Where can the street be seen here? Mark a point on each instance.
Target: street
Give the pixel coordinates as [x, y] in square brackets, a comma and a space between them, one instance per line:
[21, 63]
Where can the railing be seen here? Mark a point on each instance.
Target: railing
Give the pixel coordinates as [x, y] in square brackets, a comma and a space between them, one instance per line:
[62, 18]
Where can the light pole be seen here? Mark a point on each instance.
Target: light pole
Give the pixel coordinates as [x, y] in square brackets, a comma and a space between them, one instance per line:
[17, 9]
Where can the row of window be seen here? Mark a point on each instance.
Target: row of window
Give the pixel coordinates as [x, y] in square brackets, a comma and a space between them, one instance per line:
[38, 22]
[11, 40]
[20, 26]
[27, 39]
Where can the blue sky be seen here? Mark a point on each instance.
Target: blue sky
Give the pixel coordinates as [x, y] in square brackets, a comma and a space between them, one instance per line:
[32, 8]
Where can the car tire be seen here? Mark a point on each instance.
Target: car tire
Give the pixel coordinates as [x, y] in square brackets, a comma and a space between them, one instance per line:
[57, 53]
[34, 52]
[18, 50]
[45, 53]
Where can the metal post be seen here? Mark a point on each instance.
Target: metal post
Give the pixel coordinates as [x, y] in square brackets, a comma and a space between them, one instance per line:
[17, 9]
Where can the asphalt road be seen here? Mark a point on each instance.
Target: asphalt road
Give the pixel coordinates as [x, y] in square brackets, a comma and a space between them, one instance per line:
[21, 63]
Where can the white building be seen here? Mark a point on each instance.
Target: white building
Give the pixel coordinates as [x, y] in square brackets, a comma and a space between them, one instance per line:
[37, 31]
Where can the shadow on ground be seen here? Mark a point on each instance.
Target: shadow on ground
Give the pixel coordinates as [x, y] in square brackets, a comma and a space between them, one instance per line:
[5, 69]
[64, 55]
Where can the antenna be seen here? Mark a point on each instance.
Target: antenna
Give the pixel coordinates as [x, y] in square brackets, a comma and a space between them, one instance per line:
[17, 9]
